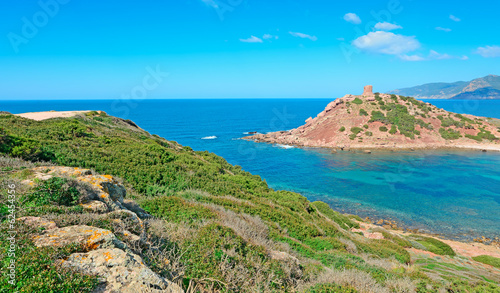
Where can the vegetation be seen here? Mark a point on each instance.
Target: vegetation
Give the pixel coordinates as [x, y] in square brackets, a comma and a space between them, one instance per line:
[357, 101]
[393, 129]
[449, 133]
[356, 130]
[342, 129]
[36, 269]
[489, 260]
[433, 245]
[362, 112]
[56, 190]
[383, 128]
[214, 224]
[483, 134]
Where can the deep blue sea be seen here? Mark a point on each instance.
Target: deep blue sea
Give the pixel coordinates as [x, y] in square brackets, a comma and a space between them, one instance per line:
[454, 193]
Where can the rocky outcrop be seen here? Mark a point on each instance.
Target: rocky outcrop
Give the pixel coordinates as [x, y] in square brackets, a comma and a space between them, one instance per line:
[122, 271]
[119, 269]
[365, 122]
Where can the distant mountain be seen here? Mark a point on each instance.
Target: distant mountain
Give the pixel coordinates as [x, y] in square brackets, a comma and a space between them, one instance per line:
[484, 88]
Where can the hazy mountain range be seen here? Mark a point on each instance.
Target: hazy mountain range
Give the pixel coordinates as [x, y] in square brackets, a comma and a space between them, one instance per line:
[483, 88]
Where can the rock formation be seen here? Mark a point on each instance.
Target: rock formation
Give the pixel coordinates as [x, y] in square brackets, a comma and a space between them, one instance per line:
[105, 255]
[377, 121]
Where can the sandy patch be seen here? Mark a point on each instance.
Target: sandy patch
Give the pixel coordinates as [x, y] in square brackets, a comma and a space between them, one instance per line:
[38, 116]
[468, 249]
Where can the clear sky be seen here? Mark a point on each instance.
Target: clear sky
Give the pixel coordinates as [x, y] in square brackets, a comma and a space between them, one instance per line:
[74, 49]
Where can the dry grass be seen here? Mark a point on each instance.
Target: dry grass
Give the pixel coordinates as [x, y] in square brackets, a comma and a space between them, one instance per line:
[361, 281]
[349, 245]
[251, 228]
[401, 285]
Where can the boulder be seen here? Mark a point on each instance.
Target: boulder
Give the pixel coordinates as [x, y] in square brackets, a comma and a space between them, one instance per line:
[121, 271]
[89, 237]
[37, 222]
[95, 206]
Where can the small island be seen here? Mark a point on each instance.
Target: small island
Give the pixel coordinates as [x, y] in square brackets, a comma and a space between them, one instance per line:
[388, 121]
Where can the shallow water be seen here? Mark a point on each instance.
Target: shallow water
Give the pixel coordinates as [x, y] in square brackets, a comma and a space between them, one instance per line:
[455, 193]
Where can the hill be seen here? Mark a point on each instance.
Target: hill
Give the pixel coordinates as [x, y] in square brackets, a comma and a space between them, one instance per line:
[384, 121]
[484, 88]
[104, 206]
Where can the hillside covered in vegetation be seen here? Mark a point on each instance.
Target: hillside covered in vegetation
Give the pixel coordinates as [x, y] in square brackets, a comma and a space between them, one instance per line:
[383, 121]
[204, 225]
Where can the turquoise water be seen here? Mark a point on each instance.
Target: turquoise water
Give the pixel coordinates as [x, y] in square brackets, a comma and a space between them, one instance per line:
[454, 193]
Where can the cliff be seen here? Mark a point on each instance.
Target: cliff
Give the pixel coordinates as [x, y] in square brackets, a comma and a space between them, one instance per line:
[384, 121]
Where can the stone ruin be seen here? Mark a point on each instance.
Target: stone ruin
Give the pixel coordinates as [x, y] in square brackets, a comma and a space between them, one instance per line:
[368, 90]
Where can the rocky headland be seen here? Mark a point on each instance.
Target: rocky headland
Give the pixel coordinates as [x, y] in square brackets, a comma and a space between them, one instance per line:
[388, 121]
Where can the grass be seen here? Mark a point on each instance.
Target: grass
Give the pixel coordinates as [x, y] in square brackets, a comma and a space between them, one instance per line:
[36, 268]
[433, 245]
[489, 260]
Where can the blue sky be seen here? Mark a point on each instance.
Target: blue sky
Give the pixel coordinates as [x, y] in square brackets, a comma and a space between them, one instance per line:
[71, 49]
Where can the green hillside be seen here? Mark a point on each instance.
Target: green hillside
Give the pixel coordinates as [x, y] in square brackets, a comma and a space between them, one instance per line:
[221, 225]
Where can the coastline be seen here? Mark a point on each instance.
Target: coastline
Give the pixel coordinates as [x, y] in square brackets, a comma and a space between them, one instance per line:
[366, 147]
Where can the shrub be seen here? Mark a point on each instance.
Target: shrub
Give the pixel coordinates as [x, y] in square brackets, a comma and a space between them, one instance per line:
[356, 130]
[393, 129]
[342, 129]
[365, 126]
[433, 245]
[369, 133]
[352, 136]
[362, 112]
[487, 259]
[383, 128]
[449, 133]
[176, 209]
[337, 217]
[357, 101]
[55, 190]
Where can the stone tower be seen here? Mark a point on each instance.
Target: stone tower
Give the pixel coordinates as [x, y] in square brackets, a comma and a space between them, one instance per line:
[368, 91]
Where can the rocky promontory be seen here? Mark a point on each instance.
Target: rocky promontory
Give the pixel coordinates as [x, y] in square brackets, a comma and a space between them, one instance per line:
[388, 121]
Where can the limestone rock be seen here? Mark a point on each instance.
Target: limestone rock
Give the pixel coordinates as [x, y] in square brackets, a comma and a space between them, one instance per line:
[89, 237]
[37, 222]
[122, 271]
[134, 207]
[95, 206]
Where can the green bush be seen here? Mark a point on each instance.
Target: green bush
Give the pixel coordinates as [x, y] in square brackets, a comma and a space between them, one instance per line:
[342, 129]
[356, 130]
[433, 245]
[393, 129]
[55, 190]
[487, 259]
[176, 209]
[357, 101]
[369, 133]
[449, 133]
[362, 112]
[337, 217]
[383, 128]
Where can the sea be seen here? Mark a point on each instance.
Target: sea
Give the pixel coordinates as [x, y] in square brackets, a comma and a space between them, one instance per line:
[454, 193]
